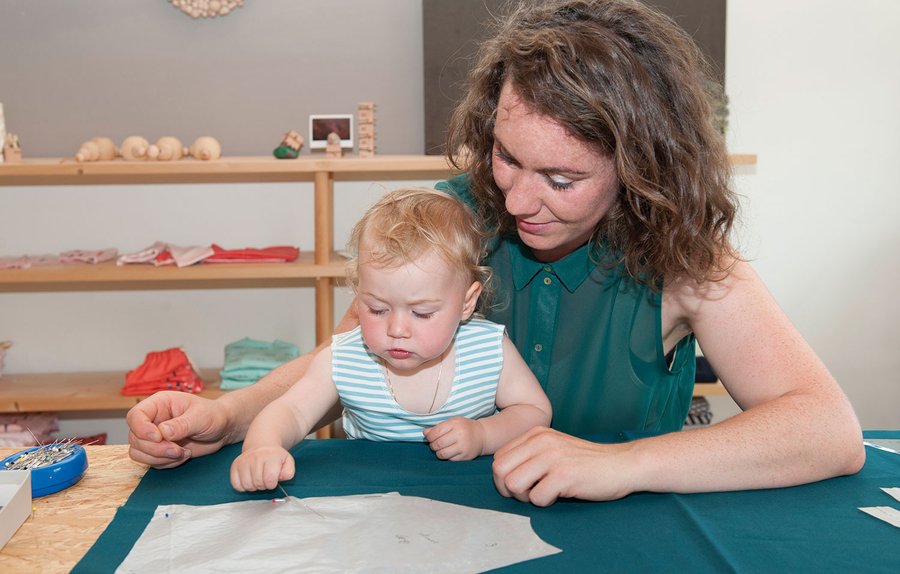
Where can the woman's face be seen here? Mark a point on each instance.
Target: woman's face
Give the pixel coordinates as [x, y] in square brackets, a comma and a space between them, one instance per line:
[556, 187]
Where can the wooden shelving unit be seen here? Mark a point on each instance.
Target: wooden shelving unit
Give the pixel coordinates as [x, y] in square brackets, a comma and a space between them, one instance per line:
[321, 267]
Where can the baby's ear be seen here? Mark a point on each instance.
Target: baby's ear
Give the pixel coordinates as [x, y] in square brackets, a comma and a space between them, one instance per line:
[471, 301]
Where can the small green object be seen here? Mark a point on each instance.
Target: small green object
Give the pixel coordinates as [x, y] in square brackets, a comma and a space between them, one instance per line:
[285, 152]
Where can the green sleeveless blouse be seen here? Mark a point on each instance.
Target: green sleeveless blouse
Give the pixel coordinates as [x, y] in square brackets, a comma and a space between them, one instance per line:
[592, 336]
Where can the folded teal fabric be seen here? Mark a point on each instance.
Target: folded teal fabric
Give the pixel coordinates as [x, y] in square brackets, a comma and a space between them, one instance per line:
[248, 360]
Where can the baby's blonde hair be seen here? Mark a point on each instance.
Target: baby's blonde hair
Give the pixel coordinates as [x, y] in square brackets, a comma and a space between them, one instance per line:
[407, 223]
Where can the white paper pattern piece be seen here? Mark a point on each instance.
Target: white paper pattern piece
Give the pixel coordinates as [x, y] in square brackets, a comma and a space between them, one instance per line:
[361, 533]
[888, 445]
[887, 513]
[895, 492]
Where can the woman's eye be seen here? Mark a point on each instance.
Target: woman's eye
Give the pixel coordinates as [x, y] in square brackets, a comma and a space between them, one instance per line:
[500, 155]
[374, 311]
[557, 182]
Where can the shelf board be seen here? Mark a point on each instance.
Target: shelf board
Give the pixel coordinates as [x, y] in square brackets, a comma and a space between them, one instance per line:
[82, 391]
[109, 276]
[743, 158]
[710, 389]
[61, 171]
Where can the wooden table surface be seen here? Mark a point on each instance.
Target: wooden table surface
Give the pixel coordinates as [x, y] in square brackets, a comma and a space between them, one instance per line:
[65, 524]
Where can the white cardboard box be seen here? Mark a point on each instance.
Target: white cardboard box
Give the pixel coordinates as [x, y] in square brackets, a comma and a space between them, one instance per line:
[15, 502]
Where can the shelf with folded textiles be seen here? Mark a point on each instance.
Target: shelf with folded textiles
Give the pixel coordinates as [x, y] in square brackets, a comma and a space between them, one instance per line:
[323, 268]
[319, 267]
[109, 276]
[79, 391]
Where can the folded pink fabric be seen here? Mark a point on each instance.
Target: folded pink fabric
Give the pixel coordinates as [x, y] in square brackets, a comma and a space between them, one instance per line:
[143, 256]
[82, 256]
[43, 259]
[15, 262]
[185, 256]
[27, 261]
[27, 429]
[168, 254]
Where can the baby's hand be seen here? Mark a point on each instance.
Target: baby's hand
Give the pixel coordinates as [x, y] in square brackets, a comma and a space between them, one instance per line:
[261, 468]
[456, 439]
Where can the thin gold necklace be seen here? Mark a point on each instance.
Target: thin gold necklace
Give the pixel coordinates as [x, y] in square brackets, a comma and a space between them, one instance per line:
[437, 385]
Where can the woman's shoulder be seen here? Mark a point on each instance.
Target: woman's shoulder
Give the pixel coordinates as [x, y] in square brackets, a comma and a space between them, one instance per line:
[685, 298]
[460, 187]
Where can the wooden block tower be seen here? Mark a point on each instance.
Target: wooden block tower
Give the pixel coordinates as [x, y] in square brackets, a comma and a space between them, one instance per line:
[365, 112]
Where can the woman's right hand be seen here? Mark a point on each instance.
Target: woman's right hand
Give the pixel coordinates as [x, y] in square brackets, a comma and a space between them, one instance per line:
[170, 427]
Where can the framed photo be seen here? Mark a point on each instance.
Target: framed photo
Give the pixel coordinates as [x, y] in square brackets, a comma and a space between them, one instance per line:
[322, 125]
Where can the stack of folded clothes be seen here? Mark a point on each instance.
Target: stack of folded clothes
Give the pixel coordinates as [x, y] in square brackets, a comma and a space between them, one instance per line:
[274, 254]
[248, 360]
[161, 253]
[169, 370]
[27, 429]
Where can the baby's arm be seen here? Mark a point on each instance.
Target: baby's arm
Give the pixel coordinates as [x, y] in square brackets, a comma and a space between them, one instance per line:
[264, 459]
[522, 405]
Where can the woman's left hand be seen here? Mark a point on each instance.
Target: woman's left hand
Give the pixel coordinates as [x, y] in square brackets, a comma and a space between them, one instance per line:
[544, 464]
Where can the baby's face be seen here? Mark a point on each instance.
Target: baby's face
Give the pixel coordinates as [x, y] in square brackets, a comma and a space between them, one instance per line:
[409, 314]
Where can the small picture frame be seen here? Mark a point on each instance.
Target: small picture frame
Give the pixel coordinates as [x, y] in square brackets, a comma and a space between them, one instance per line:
[321, 125]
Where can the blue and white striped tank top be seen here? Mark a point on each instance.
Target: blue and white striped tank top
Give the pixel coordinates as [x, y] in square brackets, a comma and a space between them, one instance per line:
[370, 412]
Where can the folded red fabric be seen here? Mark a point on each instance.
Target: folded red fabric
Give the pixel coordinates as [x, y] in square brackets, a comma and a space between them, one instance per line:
[276, 253]
[169, 370]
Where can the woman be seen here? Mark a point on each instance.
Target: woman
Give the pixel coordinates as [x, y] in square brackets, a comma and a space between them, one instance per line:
[592, 151]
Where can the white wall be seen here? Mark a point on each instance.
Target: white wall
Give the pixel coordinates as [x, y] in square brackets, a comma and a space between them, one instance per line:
[814, 89]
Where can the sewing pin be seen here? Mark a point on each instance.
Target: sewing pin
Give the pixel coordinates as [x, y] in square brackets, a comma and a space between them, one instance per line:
[313, 510]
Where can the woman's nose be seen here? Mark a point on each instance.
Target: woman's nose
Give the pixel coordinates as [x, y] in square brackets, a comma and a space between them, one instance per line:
[521, 199]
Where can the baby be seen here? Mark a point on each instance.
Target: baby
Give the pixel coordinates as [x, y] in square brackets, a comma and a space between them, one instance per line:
[420, 366]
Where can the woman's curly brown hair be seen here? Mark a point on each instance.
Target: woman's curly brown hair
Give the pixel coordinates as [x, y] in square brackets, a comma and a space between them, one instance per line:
[630, 82]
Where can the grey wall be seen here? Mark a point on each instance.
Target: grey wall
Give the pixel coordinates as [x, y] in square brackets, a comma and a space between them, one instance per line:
[74, 70]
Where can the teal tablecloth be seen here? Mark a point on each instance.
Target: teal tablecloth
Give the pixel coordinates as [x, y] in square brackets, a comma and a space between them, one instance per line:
[811, 528]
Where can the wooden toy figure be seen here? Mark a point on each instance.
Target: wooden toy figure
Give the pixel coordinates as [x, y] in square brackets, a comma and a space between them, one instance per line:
[97, 149]
[134, 148]
[12, 151]
[166, 149]
[205, 148]
[290, 146]
[333, 146]
[366, 122]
